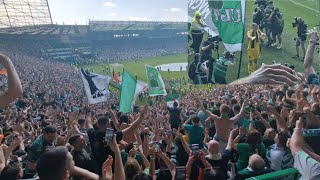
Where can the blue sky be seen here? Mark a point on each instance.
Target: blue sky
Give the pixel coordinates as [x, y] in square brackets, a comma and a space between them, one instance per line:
[71, 11]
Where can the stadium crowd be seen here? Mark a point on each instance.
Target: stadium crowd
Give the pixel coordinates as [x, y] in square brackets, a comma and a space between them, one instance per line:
[227, 132]
[142, 50]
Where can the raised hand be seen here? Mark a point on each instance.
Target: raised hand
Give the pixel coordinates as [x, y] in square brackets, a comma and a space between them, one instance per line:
[107, 168]
[313, 35]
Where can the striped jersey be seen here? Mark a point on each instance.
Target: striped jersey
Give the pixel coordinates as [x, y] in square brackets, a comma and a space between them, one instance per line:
[279, 158]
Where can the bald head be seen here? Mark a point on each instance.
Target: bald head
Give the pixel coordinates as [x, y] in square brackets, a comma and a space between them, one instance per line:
[213, 147]
[256, 162]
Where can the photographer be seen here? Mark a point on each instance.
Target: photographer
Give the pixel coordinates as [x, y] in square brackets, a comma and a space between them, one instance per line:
[262, 2]
[197, 70]
[197, 30]
[267, 23]
[301, 35]
[277, 25]
[221, 67]
[259, 16]
[207, 47]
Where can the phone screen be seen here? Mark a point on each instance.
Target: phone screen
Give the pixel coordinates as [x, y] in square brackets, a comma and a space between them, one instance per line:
[135, 146]
[108, 135]
[181, 172]
[156, 146]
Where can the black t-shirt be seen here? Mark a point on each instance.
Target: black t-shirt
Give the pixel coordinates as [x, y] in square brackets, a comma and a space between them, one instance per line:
[268, 142]
[100, 152]
[174, 116]
[221, 163]
[82, 159]
[302, 30]
[207, 54]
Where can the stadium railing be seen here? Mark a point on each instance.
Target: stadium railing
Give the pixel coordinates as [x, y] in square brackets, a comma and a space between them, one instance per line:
[291, 173]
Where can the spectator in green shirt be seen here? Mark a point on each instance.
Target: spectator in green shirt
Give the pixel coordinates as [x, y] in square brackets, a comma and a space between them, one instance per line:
[252, 145]
[195, 131]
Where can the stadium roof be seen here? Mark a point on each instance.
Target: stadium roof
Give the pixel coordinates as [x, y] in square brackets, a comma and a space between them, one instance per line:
[47, 29]
[17, 13]
[95, 26]
[135, 25]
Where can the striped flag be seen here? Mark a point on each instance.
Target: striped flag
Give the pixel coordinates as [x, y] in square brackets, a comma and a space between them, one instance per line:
[96, 86]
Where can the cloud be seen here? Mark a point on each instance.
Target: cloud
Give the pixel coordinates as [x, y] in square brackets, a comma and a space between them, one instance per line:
[111, 14]
[132, 18]
[172, 10]
[110, 4]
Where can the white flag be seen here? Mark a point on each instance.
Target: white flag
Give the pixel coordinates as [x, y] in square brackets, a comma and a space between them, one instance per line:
[96, 86]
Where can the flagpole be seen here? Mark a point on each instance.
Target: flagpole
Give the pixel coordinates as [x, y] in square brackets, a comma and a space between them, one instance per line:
[244, 23]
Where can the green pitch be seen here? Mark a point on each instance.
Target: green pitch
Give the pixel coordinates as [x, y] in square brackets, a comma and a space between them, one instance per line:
[138, 67]
[291, 8]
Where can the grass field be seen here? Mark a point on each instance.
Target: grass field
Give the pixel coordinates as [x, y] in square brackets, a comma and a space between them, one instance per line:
[290, 9]
[138, 67]
[306, 9]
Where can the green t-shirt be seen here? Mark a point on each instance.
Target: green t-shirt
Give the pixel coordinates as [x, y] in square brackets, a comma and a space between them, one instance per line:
[245, 151]
[196, 135]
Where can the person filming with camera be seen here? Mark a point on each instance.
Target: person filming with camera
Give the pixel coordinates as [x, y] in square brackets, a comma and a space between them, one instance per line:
[221, 67]
[301, 35]
[277, 25]
[208, 46]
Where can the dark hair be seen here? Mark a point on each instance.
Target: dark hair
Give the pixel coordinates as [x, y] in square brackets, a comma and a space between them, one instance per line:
[123, 119]
[142, 134]
[278, 109]
[283, 137]
[237, 108]
[264, 116]
[103, 121]
[81, 121]
[233, 101]
[142, 176]
[119, 114]
[196, 119]
[50, 129]
[52, 165]
[11, 171]
[175, 104]
[254, 139]
[74, 138]
[205, 105]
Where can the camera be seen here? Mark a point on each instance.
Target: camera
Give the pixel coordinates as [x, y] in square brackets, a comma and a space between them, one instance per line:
[295, 22]
[214, 42]
[108, 135]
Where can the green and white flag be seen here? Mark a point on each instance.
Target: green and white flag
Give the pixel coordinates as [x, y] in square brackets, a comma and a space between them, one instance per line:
[155, 83]
[224, 18]
[130, 89]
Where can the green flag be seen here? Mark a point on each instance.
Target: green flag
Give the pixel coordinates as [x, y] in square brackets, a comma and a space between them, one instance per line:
[155, 82]
[228, 17]
[130, 89]
[222, 17]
